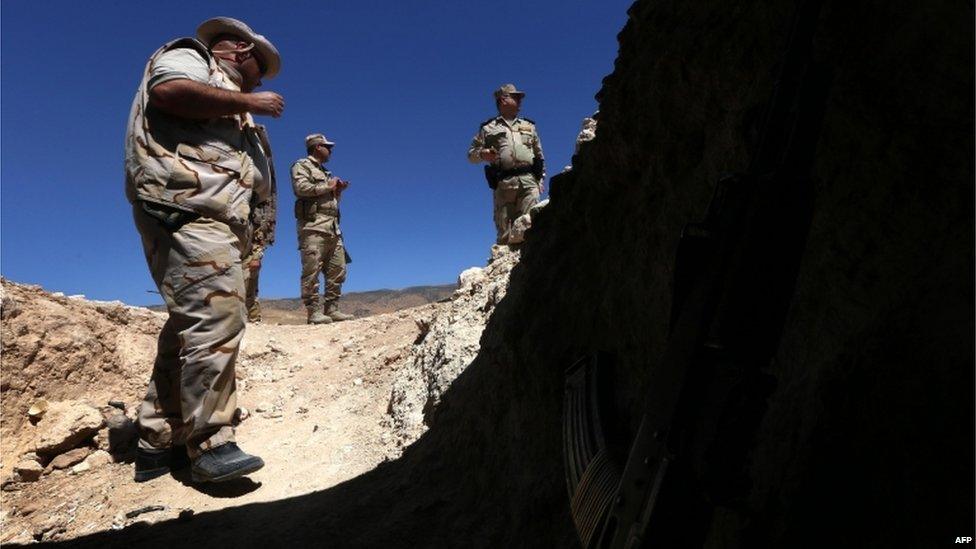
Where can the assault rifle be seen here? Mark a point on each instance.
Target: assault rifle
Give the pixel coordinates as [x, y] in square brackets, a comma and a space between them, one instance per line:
[735, 274]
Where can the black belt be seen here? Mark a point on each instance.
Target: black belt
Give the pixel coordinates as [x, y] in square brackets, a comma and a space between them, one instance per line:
[505, 174]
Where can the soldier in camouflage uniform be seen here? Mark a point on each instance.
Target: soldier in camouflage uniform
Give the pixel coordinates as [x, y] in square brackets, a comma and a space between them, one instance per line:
[511, 147]
[320, 244]
[195, 162]
[263, 219]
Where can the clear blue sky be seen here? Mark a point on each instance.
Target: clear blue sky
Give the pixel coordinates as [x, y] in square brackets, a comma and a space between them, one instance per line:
[400, 86]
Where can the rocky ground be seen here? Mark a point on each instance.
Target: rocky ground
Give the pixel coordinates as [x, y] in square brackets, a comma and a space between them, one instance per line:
[321, 404]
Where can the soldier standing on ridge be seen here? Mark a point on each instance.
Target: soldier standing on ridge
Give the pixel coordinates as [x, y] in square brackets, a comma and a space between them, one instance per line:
[513, 151]
[319, 237]
[195, 162]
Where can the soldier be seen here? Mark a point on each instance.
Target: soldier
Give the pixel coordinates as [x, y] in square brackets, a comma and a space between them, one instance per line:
[263, 219]
[513, 151]
[319, 237]
[195, 161]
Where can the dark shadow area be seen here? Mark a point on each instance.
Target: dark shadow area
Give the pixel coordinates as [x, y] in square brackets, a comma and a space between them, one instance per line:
[230, 489]
[857, 432]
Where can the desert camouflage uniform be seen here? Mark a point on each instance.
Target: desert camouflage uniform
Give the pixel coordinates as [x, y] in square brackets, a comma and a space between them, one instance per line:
[319, 236]
[263, 220]
[191, 183]
[518, 145]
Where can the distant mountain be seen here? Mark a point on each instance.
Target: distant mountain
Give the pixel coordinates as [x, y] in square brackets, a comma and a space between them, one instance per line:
[361, 304]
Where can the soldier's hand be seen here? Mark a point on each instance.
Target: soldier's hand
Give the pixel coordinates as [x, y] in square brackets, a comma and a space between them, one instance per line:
[267, 103]
[342, 184]
[489, 155]
[254, 264]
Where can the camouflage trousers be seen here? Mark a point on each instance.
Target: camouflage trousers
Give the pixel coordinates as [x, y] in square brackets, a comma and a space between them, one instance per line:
[509, 204]
[321, 253]
[191, 397]
[251, 303]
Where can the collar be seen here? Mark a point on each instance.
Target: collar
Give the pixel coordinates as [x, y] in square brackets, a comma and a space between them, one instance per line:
[316, 163]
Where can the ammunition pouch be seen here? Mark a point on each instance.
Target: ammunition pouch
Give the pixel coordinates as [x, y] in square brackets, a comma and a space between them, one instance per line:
[304, 209]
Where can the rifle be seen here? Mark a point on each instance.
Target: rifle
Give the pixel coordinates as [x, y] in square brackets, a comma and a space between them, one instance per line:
[735, 275]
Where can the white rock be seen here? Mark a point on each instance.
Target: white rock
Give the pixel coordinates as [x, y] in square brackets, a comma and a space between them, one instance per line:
[469, 277]
[81, 468]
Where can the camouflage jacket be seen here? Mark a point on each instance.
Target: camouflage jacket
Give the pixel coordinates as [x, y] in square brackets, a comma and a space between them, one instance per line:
[517, 144]
[217, 167]
[317, 203]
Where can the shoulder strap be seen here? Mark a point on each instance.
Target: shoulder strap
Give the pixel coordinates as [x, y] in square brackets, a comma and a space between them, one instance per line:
[191, 43]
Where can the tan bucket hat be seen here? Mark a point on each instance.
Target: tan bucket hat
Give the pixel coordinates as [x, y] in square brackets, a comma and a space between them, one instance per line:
[317, 139]
[212, 28]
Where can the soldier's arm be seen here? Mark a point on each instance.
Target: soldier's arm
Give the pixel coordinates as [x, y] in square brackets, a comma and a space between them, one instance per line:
[477, 145]
[255, 257]
[305, 186]
[189, 99]
[537, 145]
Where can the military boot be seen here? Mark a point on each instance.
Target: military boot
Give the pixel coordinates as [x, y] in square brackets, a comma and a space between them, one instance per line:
[225, 462]
[315, 316]
[333, 312]
[156, 462]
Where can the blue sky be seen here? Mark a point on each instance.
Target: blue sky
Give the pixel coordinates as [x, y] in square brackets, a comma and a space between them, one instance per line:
[400, 86]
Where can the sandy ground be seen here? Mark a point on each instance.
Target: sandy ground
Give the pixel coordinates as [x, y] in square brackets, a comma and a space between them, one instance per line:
[323, 392]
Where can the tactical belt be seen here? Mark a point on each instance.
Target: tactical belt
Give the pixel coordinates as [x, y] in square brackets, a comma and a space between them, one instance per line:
[307, 203]
[505, 174]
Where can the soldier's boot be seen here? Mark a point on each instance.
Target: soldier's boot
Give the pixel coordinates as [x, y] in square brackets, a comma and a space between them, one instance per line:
[315, 316]
[333, 312]
[156, 462]
[225, 462]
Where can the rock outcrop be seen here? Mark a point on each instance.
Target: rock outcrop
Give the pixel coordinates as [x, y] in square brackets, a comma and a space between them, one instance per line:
[447, 343]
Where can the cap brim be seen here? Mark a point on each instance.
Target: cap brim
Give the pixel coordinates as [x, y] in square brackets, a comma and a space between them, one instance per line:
[212, 28]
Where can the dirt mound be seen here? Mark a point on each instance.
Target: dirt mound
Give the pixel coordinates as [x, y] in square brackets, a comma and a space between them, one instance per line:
[58, 348]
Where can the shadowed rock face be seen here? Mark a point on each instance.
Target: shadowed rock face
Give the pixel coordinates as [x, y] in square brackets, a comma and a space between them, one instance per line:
[867, 438]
